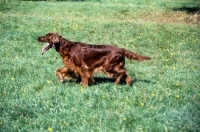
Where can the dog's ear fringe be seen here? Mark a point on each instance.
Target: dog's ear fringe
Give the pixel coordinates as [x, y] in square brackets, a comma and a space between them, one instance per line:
[46, 47]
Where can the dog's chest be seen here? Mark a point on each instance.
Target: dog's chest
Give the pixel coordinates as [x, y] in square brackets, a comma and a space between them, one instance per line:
[64, 52]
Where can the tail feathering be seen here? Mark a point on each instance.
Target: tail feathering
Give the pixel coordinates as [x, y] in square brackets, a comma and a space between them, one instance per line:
[133, 56]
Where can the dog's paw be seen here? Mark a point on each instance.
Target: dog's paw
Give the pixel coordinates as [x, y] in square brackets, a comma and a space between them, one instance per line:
[61, 80]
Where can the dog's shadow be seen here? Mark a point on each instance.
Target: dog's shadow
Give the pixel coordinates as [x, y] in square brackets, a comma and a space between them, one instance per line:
[100, 80]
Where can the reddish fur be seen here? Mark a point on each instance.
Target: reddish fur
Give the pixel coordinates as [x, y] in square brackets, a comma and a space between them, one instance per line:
[82, 60]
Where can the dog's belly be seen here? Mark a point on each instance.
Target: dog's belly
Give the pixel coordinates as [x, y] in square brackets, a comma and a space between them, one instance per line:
[98, 70]
[101, 70]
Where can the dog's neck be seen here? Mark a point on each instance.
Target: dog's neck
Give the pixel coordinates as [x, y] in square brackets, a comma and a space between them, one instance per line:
[61, 48]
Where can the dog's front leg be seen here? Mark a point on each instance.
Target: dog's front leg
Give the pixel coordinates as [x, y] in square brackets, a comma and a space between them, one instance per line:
[84, 80]
[59, 73]
[86, 77]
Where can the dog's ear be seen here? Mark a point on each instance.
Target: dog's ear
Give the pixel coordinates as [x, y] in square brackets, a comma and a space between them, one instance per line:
[53, 37]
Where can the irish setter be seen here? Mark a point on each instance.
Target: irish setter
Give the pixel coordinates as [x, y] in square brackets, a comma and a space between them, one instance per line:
[81, 60]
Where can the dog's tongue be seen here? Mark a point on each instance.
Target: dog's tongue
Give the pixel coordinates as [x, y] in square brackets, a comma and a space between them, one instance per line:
[46, 47]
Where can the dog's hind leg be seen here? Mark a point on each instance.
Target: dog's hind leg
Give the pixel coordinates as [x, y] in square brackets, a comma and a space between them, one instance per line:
[128, 79]
[115, 67]
[121, 74]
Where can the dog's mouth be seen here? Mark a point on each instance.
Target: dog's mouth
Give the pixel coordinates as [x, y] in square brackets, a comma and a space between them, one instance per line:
[46, 47]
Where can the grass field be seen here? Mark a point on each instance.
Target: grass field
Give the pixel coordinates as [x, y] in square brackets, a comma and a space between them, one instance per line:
[164, 96]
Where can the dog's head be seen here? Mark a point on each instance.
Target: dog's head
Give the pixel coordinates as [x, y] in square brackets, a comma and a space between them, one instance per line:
[51, 38]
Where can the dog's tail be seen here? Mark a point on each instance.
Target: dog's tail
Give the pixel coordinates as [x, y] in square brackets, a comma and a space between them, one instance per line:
[133, 56]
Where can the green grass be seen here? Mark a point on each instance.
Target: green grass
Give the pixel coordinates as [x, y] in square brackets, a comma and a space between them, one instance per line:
[165, 95]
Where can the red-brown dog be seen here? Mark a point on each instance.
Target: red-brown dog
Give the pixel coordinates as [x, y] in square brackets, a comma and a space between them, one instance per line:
[82, 60]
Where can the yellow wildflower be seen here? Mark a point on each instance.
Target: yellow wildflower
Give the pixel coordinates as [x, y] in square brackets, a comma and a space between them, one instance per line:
[66, 123]
[124, 119]
[50, 129]
[82, 90]
[48, 81]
